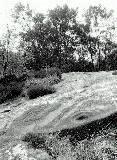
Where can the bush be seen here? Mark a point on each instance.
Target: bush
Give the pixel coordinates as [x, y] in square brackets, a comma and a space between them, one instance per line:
[11, 91]
[48, 72]
[114, 73]
[11, 87]
[102, 146]
[39, 89]
[7, 79]
[35, 140]
[48, 81]
[51, 80]
[52, 144]
[66, 68]
[2, 87]
[22, 78]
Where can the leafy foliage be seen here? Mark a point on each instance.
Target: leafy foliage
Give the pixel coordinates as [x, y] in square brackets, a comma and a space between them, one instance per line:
[102, 146]
[114, 73]
[47, 72]
[40, 89]
[10, 91]
[97, 11]
[112, 60]
[56, 39]
[7, 79]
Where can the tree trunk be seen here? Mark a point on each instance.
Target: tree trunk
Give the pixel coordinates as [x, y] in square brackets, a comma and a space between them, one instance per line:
[106, 65]
[99, 56]
[92, 60]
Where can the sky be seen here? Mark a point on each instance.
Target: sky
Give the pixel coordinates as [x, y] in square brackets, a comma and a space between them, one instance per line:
[43, 5]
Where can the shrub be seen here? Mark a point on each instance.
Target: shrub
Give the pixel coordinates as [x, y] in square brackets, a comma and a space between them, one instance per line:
[48, 80]
[52, 144]
[102, 146]
[39, 89]
[10, 91]
[66, 68]
[7, 79]
[35, 140]
[22, 78]
[114, 73]
[11, 87]
[51, 80]
[15, 89]
[2, 87]
[48, 72]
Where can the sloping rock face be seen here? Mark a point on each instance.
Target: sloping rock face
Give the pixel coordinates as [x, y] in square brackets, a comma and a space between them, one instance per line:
[81, 98]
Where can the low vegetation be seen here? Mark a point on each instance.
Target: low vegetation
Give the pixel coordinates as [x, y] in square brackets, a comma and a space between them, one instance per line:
[52, 80]
[5, 80]
[39, 84]
[10, 91]
[40, 89]
[49, 80]
[36, 87]
[11, 87]
[100, 147]
[47, 72]
[114, 73]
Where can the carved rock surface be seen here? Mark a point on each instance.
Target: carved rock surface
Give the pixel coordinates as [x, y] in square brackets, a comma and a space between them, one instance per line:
[81, 98]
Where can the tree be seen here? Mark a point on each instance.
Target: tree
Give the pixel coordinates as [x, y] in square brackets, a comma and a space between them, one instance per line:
[62, 20]
[112, 60]
[94, 13]
[5, 51]
[10, 62]
[96, 17]
[51, 39]
[22, 16]
[37, 42]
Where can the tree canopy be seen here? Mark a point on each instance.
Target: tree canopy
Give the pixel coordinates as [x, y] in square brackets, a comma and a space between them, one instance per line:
[59, 39]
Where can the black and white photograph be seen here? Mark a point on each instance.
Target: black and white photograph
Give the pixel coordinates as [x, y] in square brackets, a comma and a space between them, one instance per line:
[58, 80]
